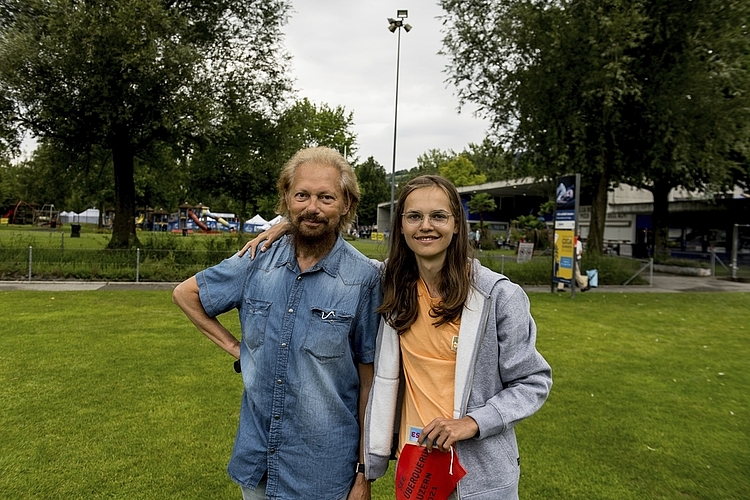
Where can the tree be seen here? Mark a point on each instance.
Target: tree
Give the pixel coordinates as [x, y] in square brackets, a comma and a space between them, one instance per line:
[492, 160]
[479, 204]
[648, 92]
[552, 78]
[11, 190]
[461, 172]
[9, 134]
[306, 125]
[689, 126]
[428, 163]
[130, 74]
[374, 188]
[241, 162]
[248, 148]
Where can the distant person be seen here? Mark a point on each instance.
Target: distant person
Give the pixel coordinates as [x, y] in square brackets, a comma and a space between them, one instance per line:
[309, 322]
[582, 280]
[475, 236]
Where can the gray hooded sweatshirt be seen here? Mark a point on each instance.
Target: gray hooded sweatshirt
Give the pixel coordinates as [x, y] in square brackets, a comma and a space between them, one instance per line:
[500, 379]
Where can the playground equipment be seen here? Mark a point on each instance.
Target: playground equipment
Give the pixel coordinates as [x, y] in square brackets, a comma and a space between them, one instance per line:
[21, 213]
[190, 218]
[47, 216]
[197, 221]
[159, 220]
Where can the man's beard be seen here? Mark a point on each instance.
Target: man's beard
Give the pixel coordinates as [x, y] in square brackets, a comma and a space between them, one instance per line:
[317, 241]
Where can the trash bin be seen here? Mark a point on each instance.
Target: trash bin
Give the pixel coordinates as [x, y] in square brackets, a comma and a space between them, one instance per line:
[75, 230]
[184, 231]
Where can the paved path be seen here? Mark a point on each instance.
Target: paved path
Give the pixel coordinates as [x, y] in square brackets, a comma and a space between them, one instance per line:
[58, 286]
[663, 283]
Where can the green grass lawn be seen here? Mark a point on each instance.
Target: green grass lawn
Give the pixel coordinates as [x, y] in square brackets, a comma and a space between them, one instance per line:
[116, 395]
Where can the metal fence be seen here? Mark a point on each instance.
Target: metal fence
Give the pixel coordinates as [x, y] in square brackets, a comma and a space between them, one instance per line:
[107, 265]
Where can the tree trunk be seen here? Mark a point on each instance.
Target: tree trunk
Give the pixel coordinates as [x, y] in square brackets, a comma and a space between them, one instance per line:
[100, 222]
[243, 214]
[660, 219]
[123, 229]
[595, 240]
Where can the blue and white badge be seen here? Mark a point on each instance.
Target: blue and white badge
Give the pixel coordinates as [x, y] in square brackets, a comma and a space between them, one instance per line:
[414, 433]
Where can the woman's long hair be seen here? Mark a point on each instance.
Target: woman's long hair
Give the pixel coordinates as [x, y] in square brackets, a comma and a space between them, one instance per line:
[400, 305]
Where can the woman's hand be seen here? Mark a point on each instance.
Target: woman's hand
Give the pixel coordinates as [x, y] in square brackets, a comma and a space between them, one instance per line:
[269, 236]
[442, 433]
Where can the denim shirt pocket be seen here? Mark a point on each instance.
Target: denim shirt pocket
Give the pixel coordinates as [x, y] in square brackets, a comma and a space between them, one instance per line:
[327, 336]
[255, 319]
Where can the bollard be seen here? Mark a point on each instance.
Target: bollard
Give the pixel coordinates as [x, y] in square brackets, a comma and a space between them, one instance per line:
[137, 264]
[30, 255]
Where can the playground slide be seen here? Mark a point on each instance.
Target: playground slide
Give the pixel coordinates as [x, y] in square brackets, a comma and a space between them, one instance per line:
[139, 220]
[197, 221]
[217, 219]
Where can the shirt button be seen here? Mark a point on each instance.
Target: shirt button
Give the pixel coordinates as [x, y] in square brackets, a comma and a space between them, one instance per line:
[279, 382]
[272, 450]
[299, 278]
[291, 311]
[276, 417]
[283, 344]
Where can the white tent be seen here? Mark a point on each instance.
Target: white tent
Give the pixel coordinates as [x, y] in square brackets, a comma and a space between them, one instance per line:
[255, 224]
[89, 216]
[256, 219]
[67, 217]
[271, 222]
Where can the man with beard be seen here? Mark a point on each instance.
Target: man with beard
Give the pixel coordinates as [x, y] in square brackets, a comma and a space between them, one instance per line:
[307, 313]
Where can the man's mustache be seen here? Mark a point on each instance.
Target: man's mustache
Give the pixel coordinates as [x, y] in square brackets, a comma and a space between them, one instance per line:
[318, 219]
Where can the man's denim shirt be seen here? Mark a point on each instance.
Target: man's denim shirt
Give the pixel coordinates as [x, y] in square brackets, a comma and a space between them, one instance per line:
[302, 337]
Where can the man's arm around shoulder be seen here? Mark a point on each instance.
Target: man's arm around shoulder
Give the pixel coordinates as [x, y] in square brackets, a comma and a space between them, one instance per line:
[187, 297]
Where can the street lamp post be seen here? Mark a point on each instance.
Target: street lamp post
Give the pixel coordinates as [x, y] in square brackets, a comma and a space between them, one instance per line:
[394, 25]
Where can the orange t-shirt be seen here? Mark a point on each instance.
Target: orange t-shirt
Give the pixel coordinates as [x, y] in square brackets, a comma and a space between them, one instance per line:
[428, 354]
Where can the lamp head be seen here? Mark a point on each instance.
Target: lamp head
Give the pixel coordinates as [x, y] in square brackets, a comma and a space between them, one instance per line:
[392, 27]
[407, 27]
[402, 14]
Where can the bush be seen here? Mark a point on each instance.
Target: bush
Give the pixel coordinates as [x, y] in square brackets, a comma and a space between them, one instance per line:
[538, 271]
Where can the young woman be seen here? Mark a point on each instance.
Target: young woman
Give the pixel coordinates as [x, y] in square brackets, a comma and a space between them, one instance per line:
[459, 340]
[456, 364]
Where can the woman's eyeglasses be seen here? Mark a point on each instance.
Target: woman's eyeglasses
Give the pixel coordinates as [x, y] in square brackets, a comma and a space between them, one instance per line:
[437, 219]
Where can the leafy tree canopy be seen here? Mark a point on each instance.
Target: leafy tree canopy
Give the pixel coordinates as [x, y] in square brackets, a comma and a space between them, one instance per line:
[374, 188]
[649, 92]
[462, 172]
[127, 75]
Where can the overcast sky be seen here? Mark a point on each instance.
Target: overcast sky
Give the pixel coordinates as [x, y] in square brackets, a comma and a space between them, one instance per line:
[344, 55]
